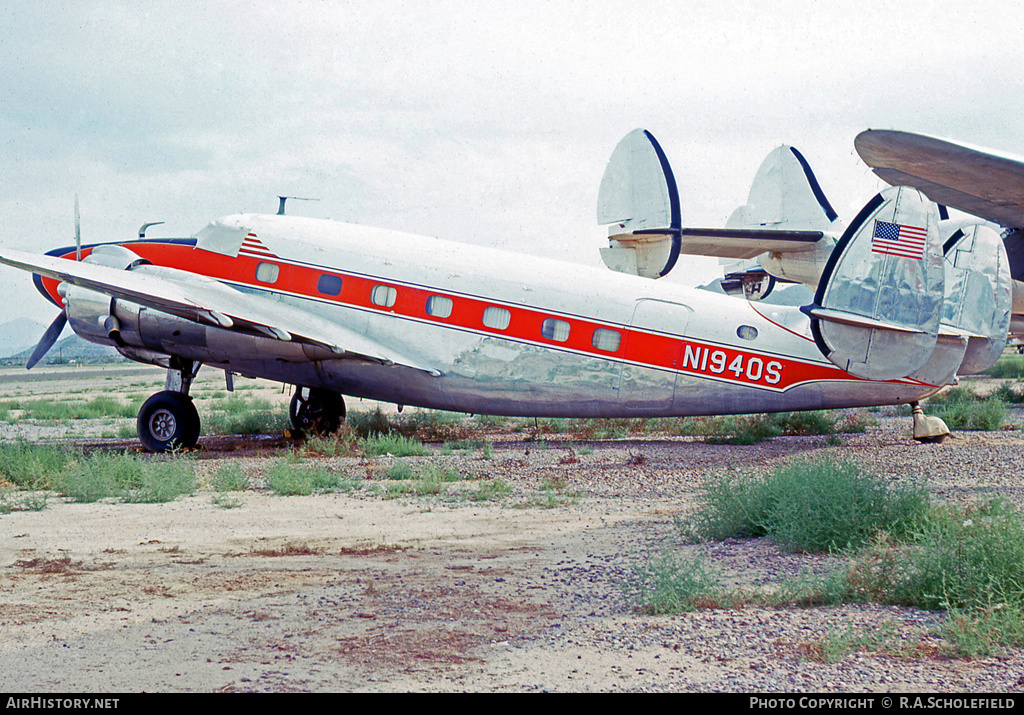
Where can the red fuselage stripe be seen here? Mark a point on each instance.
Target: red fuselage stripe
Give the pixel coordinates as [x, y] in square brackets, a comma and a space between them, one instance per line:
[640, 347]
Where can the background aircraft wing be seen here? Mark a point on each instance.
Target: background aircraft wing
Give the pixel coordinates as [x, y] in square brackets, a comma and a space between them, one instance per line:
[988, 186]
[204, 300]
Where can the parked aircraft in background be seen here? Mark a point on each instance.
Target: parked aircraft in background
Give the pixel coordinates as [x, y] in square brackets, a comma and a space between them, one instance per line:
[337, 309]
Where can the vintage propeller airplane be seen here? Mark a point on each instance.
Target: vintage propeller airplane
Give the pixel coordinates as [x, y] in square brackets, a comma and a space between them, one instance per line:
[338, 309]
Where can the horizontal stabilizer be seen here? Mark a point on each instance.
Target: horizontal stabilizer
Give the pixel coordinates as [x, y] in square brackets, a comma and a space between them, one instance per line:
[878, 305]
[787, 223]
[745, 243]
[860, 321]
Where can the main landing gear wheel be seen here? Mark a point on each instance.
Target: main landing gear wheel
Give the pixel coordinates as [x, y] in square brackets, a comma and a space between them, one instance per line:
[168, 419]
[316, 411]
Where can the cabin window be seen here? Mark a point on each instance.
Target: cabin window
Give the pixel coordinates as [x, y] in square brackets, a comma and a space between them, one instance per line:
[747, 332]
[557, 330]
[497, 318]
[384, 296]
[439, 306]
[607, 340]
[329, 285]
[267, 272]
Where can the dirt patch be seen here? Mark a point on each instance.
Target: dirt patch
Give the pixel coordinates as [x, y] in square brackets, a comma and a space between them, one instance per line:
[357, 591]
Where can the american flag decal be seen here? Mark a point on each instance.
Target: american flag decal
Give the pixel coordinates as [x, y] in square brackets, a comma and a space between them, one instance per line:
[252, 246]
[895, 239]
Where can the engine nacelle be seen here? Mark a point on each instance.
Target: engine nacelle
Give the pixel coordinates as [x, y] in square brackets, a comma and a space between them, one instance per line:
[137, 330]
[92, 315]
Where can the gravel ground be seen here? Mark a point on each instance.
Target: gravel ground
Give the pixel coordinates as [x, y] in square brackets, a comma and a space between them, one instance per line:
[352, 591]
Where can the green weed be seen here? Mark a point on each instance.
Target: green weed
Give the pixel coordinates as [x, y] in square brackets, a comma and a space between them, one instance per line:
[490, 490]
[342, 443]
[125, 476]
[394, 444]
[15, 500]
[401, 472]
[255, 421]
[60, 410]
[962, 409]
[553, 492]
[33, 466]
[367, 424]
[965, 560]
[809, 505]
[289, 477]
[222, 501]
[229, 477]
[985, 631]
[1007, 366]
[667, 584]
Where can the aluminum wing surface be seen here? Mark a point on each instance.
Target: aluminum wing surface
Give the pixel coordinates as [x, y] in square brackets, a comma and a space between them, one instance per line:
[745, 243]
[203, 300]
[988, 186]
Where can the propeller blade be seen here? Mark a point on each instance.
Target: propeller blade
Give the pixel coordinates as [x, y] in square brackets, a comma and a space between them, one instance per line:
[78, 232]
[49, 338]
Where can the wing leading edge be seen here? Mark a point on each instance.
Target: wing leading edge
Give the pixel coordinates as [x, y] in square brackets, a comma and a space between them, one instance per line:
[203, 300]
[988, 186]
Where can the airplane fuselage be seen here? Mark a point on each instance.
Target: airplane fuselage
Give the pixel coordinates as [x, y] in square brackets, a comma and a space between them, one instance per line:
[491, 332]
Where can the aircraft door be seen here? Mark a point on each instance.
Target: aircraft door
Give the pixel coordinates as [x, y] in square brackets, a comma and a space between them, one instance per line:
[654, 351]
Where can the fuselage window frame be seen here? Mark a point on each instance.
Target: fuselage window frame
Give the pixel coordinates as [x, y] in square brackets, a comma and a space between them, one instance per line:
[329, 284]
[606, 340]
[267, 272]
[384, 296]
[555, 329]
[497, 318]
[439, 306]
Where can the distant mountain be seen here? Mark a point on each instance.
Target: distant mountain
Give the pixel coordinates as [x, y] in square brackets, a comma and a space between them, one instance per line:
[67, 349]
[19, 335]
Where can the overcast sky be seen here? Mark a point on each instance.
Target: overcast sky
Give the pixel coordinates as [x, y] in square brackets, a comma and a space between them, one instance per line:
[488, 123]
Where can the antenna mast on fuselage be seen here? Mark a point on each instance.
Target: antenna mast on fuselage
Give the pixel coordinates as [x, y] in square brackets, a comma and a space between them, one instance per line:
[280, 208]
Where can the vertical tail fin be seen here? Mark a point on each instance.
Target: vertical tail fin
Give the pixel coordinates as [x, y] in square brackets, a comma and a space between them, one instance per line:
[877, 308]
[639, 199]
[785, 195]
[979, 294]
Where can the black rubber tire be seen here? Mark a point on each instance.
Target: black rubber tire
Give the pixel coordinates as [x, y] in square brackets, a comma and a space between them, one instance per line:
[316, 411]
[167, 420]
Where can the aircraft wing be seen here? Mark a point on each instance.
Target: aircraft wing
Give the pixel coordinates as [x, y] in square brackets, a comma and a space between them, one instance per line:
[201, 299]
[988, 186]
[745, 242]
